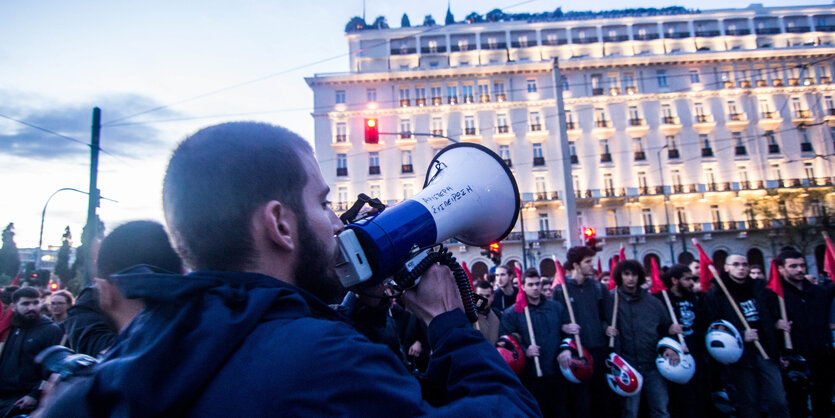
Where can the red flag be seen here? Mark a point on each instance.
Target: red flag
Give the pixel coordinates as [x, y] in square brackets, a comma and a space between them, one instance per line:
[612, 262]
[774, 282]
[622, 254]
[518, 274]
[521, 300]
[612, 283]
[829, 259]
[559, 276]
[704, 269]
[469, 275]
[16, 281]
[657, 284]
[5, 321]
[599, 267]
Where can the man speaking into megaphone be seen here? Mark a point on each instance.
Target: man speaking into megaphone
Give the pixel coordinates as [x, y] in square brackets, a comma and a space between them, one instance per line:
[248, 332]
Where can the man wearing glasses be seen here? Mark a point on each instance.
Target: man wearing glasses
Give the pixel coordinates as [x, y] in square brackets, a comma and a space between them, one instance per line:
[753, 376]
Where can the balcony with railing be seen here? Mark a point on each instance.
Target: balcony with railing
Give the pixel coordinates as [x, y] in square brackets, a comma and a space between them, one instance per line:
[616, 38]
[707, 152]
[773, 148]
[433, 50]
[631, 90]
[806, 147]
[549, 234]
[637, 122]
[493, 45]
[420, 101]
[405, 103]
[737, 32]
[545, 196]
[575, 159]
[767, 31]
[597, 91]
[610, 192]
[606, 157]
[646, 36]
[798, 29]
[640, 156]
[403, 51]
[650, 229]
[571, 125]
[614, 91]
[341, 171]
[761, 83]
[672, 153]
[484, 98]
[777, 82]
[374, 169]
[745, 84]
[707, 33]
[538, 161]
[341, 138]
[469, 131]
[689, 227]
[602, 123]
[503, 129]
[437, 101]
[536, 127]
[803, 117]
[616, 231]
[500, 97]
[826, 79]
[586, 40]
[508, 162]
[407, 168]
[740, 150]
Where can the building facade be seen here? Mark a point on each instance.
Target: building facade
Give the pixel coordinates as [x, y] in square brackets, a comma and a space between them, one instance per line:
[678, 124]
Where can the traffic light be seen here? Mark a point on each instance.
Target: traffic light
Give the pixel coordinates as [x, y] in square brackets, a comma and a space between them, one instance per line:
[590, 235]
[53, 286]
[494, 252]
[372, 133]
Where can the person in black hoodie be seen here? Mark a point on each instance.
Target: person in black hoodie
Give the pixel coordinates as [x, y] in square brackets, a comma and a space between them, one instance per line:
[753, 375]
[807, 308]
[20, 377]
[688, 400]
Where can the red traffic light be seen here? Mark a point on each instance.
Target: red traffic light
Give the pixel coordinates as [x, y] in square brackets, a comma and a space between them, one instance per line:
[53, 286]
[589, 232]
[372, 134]
[495, 247]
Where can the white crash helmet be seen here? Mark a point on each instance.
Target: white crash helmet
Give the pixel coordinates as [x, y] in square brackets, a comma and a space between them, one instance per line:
[680, 373]
[622, 378]
[724, 345]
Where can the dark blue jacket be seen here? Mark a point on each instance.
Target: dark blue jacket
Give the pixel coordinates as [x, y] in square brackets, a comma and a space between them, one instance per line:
[241, 344]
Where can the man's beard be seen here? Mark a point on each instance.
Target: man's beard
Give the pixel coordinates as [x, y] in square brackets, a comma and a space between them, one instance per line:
[25, 321]
[314, 267]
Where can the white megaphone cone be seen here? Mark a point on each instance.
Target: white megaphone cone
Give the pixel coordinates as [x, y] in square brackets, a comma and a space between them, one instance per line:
[469, 194]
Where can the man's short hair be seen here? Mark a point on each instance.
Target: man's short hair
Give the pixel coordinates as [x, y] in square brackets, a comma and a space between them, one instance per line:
[631, 266]
[787, 253]
[576, 255]
[67, 296]
[508, 268]
[491, 278]
[530, 272]
[215, 181]
[26, 292]
[677, 271]
[134, 243]
[757, 266]
[483, 284]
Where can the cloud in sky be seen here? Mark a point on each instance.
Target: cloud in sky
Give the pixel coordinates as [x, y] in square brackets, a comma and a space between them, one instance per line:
[74, 121]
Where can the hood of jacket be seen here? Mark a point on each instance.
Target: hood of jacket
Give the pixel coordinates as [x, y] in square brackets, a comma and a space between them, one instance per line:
[190, 327]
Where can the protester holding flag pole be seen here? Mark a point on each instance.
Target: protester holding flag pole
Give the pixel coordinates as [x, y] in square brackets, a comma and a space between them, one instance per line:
[748, 305]
[807, 307]
[658, 286]
[587, 299]
[776, 286]
[537, 323]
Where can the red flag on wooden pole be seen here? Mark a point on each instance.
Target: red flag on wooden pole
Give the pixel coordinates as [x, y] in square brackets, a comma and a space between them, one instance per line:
[622, 254]
[774, 282]
[599, 267]
[518, 274]
[657, 284]
[829, 258]
[559, 276]
[521, 300]
[612, 283]
[704, 267]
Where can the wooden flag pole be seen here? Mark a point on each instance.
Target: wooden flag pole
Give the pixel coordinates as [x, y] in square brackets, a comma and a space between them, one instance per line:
[571, 315]
[533, 340]
[614, 318]
[673, 316]
[736, 309]
[786, 334]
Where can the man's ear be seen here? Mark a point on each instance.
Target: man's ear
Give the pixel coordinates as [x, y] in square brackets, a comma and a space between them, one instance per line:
[279, 224]
[107, 299]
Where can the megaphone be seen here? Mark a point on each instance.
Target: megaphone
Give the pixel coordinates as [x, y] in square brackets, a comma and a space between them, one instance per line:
[468, 194]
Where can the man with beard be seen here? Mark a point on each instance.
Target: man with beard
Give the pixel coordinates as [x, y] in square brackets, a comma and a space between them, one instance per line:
[488, 321]
[753, 377]
[807, 308]
[688, 400]
[249, 331]
[30, 333]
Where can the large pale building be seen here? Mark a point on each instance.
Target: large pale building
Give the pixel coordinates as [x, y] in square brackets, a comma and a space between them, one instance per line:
[678, 123]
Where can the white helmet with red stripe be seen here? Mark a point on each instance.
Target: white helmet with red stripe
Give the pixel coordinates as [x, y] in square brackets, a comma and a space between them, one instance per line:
[622, 378]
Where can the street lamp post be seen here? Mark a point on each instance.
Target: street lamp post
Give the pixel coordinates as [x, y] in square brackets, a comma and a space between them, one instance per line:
[666, 211]
[43, 216]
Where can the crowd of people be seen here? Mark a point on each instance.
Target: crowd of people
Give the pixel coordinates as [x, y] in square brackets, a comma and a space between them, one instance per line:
[234, 308]
[778, 381]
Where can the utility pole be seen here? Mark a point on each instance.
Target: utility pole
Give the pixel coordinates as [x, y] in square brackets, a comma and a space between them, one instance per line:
[572, 236]
[93, 201]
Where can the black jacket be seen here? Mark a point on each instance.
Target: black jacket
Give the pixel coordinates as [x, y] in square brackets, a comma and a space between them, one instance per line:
[547, 319]
[691, 316]
[754, 300]
[808, 310]
[589, 304]
[642, 321]
[89, 331]
[19, 375]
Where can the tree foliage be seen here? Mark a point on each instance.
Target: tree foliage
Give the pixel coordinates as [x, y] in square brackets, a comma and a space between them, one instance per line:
[796, 218]
[474, 18]
[355, 24]
[380, 23]
[9, 257]
[404, 21]
[62, 264]
[449, 18]
[429, 21]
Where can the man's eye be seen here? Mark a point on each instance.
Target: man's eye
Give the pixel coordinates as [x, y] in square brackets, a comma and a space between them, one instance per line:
[326, 204]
